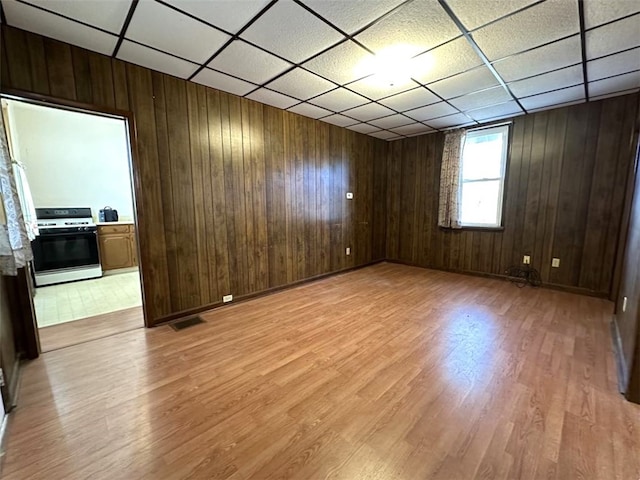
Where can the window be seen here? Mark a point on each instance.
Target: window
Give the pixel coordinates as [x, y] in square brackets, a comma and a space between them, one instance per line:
[484, 158]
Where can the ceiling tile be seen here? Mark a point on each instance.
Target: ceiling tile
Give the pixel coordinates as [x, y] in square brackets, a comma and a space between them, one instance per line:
[483, 98]
[339, 120]
[290, 31]
[597, 12]
[33, 20]
[255, 65]
[539, 24]
[339, 99]
[458, 119]
[341, 63]
[618, 83]
[106, 14]
[614, 65]
[415, 129]
[471, 81]
[368, 112]
[384, 135]
[407, 26]
[147, 57]
[363, 128]
[230, 15]
[301, 84]
[565, 95]
[431, 111]
[557, 55]
[354, 14]
[392, 121]
[270, 97]
[411, 99]
[454, 57]
[507, 109]
[371, 87]
[614, 37]
[309, 110]
[174, 32]
[548, 81]
[473, 15]
[223, 82]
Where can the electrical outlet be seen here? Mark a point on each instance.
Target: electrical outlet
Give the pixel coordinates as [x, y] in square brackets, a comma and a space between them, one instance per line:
[624, 304]
[349, 196]
[526, 260]
[227, 298]
[348, 250]
[555, 263]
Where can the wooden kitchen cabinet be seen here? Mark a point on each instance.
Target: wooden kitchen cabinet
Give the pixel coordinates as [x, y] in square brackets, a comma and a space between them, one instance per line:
[117, 245]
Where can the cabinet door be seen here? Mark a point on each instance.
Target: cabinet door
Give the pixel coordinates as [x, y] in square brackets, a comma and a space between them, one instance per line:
[134, 251]
[115, 251]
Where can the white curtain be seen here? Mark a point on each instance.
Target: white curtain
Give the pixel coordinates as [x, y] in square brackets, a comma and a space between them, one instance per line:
[15, 249]
[26, 200]
[449, 208]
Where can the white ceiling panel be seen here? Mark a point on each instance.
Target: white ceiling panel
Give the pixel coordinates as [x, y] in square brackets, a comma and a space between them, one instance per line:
[339, 120]
[392, 121]
[507, 109]
[339, 99]
[33, 20]
[223, 82]
[454, 57]
[272, 98]
[341, 63]
[384, 135]
[548, 81]
[230, 15]
[309, 110]
[530, 28]
[290, 31]
[368, 112]
[301, 84]
[597, 12]
[373, 88]
[565, 95]
[483, 98]
[247, 62]
[354, 14]
[147, 57]
[363, 128]
[450, 121]
[474, 15]
[174, 32]
[473, 80]
[557, 55]
[106, 14]
[613, 65]
[619, 83]
[431, 111]
[407, 26]
[417, 97]
[415, 129]
[614, 37]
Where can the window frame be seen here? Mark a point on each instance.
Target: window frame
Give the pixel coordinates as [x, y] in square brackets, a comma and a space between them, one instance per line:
[505, 129]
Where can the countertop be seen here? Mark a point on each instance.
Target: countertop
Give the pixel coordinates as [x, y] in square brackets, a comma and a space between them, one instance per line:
[120, 222]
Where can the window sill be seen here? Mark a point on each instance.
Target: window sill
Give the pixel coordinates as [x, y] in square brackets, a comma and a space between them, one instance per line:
[474, 229]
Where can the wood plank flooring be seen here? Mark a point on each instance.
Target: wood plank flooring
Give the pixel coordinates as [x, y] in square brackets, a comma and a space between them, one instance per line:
[388, 372]
[92, 328]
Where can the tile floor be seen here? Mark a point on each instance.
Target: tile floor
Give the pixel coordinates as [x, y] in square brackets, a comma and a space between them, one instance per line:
[72, 301]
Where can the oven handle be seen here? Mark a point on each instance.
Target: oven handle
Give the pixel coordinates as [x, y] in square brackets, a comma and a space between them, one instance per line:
[66, 234]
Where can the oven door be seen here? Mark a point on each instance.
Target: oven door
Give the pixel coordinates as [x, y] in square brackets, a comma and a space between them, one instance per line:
[56, 251]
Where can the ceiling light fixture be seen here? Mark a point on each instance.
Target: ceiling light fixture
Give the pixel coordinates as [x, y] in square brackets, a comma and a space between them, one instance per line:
[394, 66]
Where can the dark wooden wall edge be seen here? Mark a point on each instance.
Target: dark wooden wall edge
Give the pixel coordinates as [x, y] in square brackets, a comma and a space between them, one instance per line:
[621, 365]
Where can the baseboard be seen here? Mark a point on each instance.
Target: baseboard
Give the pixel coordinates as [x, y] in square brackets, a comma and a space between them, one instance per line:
[621, 364]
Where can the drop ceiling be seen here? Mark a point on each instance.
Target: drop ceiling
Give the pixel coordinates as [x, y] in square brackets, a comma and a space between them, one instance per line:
[483, 61]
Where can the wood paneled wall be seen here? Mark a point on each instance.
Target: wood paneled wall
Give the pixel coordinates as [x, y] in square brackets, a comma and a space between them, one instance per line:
[564, 198]
[233, 196]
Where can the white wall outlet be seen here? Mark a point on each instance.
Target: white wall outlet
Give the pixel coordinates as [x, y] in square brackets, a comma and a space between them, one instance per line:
[349, 196]
[348, 250]
[624, 304]
[227, 298]
[555, 263]
[526, 259]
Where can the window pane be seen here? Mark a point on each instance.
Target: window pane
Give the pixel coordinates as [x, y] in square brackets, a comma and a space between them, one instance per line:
[482, 156]
[480, 202]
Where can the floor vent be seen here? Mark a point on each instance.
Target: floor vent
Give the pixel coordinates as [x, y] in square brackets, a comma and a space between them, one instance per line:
[186, 323]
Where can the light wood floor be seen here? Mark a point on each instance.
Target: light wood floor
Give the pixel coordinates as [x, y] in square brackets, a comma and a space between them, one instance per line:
[389, 372]
[92, 328]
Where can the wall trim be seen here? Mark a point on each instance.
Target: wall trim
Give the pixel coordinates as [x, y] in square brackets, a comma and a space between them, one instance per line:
[621, 365]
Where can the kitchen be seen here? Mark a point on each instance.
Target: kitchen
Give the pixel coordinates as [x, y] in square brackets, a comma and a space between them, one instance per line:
[73, 171]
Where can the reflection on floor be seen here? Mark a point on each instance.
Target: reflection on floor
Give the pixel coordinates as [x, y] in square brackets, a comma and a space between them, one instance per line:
[72, 301]
[80, 331]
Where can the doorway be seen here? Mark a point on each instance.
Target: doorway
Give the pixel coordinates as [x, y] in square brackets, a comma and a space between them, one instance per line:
[74, 176]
